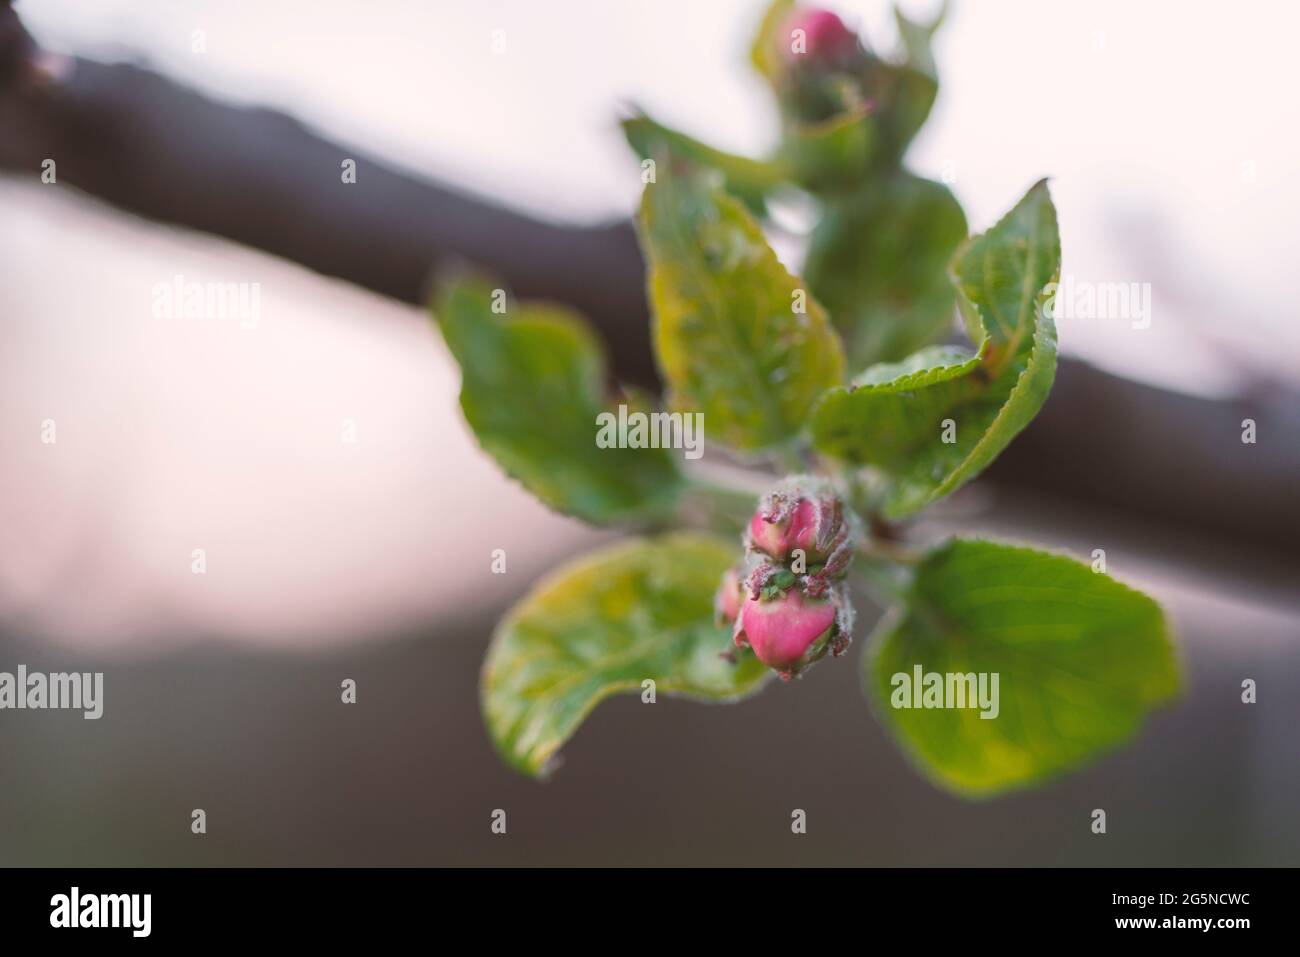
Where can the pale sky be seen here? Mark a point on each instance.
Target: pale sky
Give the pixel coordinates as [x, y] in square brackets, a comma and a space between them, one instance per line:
[1168, 127]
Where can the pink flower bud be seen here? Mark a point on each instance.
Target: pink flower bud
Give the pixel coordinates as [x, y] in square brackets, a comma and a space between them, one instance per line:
[790, 632]
[726, 604]
[825, 38]
[805, 514]
[776, 533]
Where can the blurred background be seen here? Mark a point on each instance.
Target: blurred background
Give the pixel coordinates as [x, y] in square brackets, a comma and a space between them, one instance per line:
[204, 140]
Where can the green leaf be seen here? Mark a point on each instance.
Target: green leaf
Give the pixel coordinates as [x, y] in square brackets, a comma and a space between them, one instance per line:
[900, 422]
[893, 422]
[1001, 274]
[918, 39]
[904, 97]
[749, 180]
[764, 51]
[913, 84]
[604, 624]
[928, 366]
[1080, 660]
[532, 386]
[727, 333]
[833, 155]
[878, 261]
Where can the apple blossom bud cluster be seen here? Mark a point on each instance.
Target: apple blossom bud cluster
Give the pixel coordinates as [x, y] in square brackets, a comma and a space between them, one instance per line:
[787, 599]
[823, 66]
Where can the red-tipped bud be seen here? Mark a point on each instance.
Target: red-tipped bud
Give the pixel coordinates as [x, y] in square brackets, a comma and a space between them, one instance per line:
[802, 514]
[731, 591]
[789, 631]
[817, 36]
[776, 534]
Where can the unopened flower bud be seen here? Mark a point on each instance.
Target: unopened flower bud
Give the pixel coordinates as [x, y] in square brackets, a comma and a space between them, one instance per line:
[826, 41]
[804, 514]
[789, 632]
[731, 591]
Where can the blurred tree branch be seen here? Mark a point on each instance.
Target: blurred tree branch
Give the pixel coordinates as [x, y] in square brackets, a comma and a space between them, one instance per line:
[156, 149]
